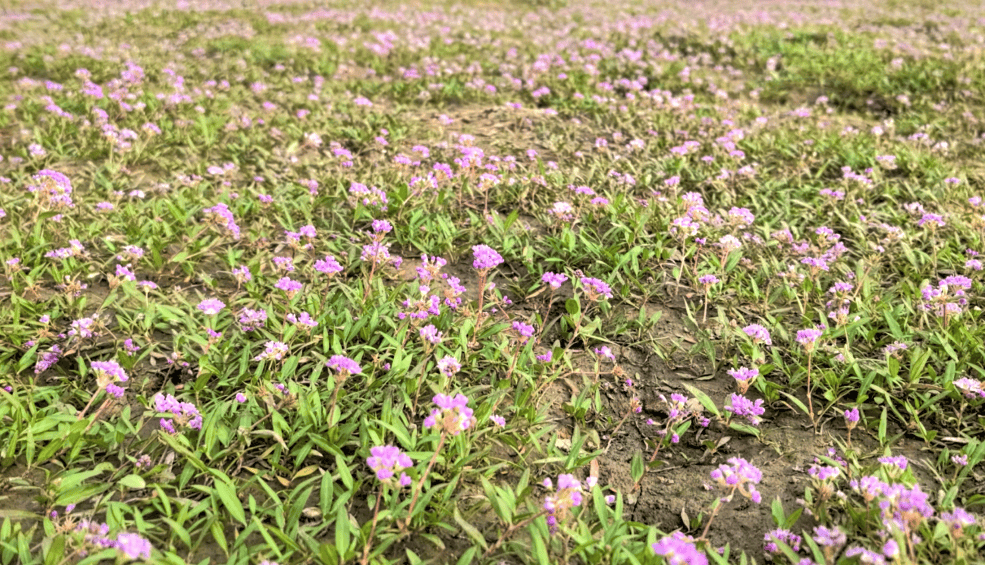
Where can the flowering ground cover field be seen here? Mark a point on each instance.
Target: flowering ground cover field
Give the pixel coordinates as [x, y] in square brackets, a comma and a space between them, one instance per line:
[495, 282]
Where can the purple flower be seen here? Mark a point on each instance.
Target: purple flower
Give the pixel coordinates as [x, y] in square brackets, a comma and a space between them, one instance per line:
[823, 473]
[568, 495]
[604, 351]
[289, 286]
[125, 273]
[430, 334]
[240, 397]
[387, 461]
[870, 487]
[829, 538]
[785, 536]
[679, 549]
[242, 274]
[302, 320]
[274, 350]
[211, 306]
[708, 280]
[890, 549]
[526, 331]
[892, 348]
[851, 417]
[222, 217]
[379, 253]
[485, 257]
[932, 221]
[343, 365]
[744, 377]
[498, 420]
[739, 475]
[83, 327]
[452, 414]
[382, 227]
[742, 406]
[251, 320]
[596, 288]
[328, 266]
[865, 555]
[133, 546]
[448, 366]
[758, 334]
[728, 244]
[430, 267]
[808, 338]
[47, 359]
[555, 280]
[815, 263]
[185, 413]
[109, 370]
[285, 264]
[741, 217]
[898, 461]
[957, 520]
[563, 211]
[53, 190]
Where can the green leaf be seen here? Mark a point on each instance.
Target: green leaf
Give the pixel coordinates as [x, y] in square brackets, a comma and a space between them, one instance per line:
[325, 492]
[132, 481]
[469, 556]
[572, 307]
[498, 507]
[328, 554]
[342, 535]
[56, 551]
[704, 399]
[636, 467]
[796, 401]
[179, 531]
[226, 492]
[744, 428]
[215, 526]
[918, 363]
[894, 327]
[776, 510]
[469, 529]
[540, 550]
[344, 474]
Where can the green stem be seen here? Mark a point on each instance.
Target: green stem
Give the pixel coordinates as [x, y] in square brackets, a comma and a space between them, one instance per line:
[420, 483]
[810, 402]
[478, 313]
[509, 532]
[372, 529]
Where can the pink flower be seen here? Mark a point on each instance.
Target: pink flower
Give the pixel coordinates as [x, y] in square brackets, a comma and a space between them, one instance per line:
[211, 306]
[343, 365]
[386, 461]
[808, 338]
[452, 414]
[485, 257]
[555, 280]
[596, 288]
